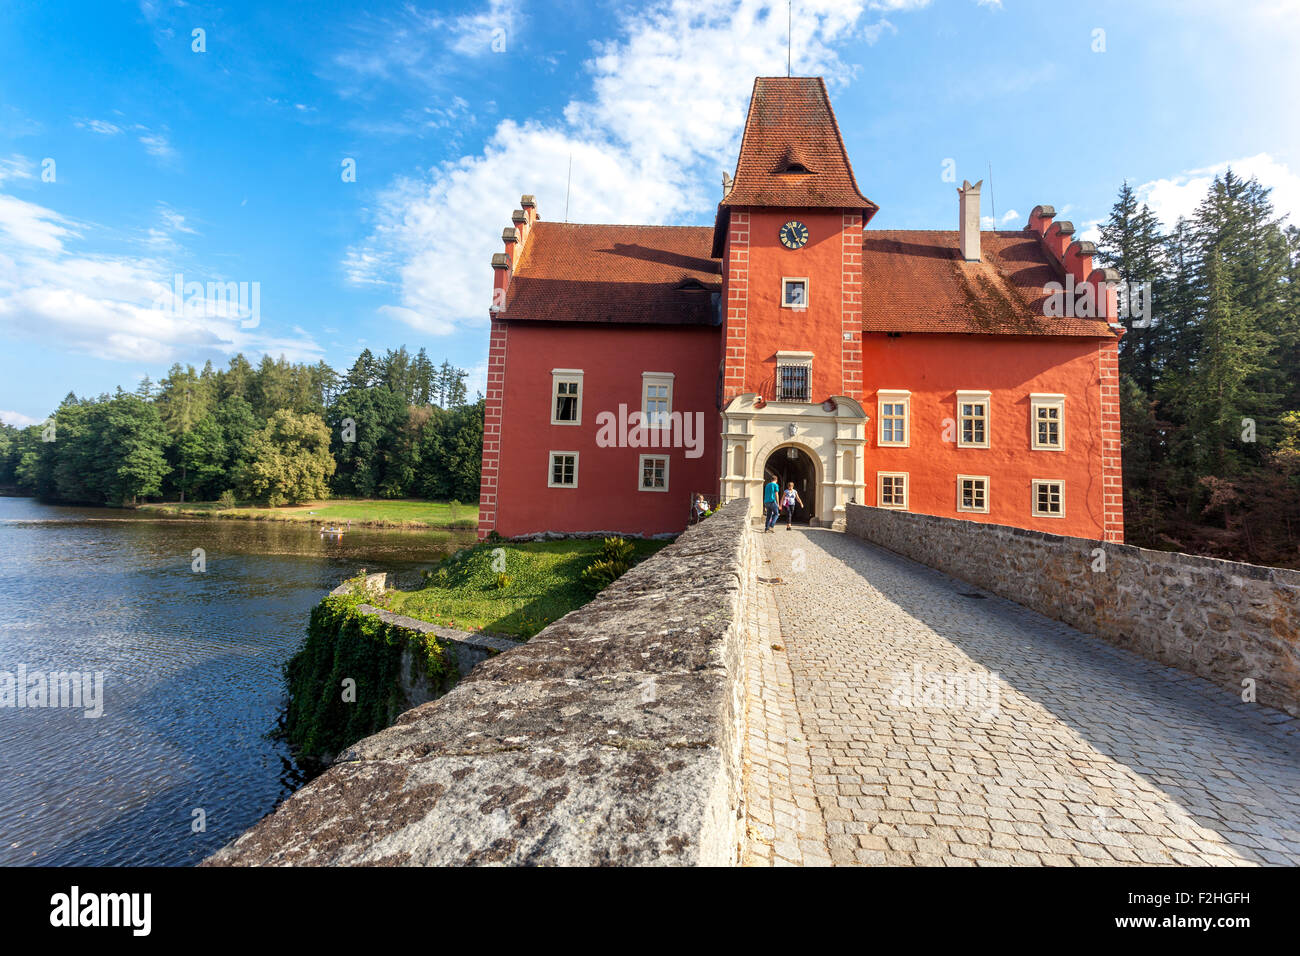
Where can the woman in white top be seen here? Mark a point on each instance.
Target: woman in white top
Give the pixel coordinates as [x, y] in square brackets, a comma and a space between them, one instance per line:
[788, 499]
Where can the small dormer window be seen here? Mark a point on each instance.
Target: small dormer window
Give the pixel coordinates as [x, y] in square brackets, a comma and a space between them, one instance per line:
[797, 169]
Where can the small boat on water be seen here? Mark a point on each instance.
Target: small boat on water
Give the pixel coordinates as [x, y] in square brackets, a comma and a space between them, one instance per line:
[331, 531]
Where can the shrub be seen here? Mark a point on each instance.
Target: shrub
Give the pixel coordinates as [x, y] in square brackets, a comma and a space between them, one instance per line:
[617, 551]
[601, 573]
[276, 500]
[227, 500]
[503, 581]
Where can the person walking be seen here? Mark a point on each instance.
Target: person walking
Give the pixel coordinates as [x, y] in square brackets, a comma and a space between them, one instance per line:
[770, 512]
[788, 500]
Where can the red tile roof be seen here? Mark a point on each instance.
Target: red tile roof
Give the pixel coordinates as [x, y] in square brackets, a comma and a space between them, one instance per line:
[912, 280]
[916, 281]
[574, 272]
[791, 122]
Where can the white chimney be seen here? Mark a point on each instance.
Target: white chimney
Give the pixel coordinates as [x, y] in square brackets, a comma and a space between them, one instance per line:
[969, 233]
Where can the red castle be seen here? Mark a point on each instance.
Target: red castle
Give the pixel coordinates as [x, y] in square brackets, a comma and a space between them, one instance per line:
[633, 369]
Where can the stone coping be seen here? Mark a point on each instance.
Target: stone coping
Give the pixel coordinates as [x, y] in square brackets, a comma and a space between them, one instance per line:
[1232, 623]
[612, 737]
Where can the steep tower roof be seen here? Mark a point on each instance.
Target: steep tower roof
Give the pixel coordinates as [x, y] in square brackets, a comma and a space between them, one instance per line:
[792, 153]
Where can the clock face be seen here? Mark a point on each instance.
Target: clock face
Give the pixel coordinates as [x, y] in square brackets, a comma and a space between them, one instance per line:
[794, 234]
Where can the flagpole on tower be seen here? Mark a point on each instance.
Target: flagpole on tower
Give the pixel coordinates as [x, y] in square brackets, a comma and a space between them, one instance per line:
[789, 35]
[567, 184]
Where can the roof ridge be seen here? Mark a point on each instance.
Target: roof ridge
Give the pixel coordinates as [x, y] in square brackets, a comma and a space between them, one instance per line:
[621, 225]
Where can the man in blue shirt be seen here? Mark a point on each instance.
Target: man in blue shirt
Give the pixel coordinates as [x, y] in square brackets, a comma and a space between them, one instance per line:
[770, 512]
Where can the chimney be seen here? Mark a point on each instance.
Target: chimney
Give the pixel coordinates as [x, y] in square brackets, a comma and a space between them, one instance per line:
[969, 231]
[500, 281]
[520, 220]
[529, 206]
[510, 236]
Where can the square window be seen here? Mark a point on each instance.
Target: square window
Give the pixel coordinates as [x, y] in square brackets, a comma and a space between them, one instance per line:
[564, 470]
[973, 493]
[794, 293]
[1049, 499]
[653, 473]
[893, 490]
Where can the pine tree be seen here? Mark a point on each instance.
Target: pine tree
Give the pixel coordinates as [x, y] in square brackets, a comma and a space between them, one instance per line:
[1132, 243]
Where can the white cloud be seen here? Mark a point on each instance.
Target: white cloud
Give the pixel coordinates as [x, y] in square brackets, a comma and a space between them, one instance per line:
[874, 32]
[638, 155]
[27, 224]
[15, 167]
[989, 222]
[156, 144]
[103, 127]
[1178, 196]
[170, 223]
[113, 306]
[476, 34]
[18, 419]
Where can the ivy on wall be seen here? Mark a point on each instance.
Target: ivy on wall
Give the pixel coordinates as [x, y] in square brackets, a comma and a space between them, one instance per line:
[343, 643]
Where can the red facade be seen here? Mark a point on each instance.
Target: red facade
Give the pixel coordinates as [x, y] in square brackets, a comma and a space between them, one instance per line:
[635, 368]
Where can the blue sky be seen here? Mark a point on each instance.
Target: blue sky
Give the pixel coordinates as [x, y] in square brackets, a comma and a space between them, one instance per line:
[128, 157]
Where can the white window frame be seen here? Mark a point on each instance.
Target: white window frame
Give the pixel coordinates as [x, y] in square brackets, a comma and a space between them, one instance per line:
[893, 396]
[559, 375]
[550, 469]
[1042, 400]
[880, 490]
[1033, 498]
[640, 472]
[962, 508]
[657, 378]
[807, 293]
[975, 396]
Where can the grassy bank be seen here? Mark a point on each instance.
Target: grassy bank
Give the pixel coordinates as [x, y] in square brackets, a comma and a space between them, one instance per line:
[363, 512]
[542, 582]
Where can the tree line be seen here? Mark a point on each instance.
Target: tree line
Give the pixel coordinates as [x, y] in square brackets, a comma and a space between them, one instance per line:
[1210, 382]
[392, 426]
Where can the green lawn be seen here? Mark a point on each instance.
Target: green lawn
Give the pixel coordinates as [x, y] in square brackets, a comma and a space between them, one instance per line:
[374, 512]
[544, 586]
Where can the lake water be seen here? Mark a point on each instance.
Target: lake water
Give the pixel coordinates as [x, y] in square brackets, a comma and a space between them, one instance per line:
[191, 666]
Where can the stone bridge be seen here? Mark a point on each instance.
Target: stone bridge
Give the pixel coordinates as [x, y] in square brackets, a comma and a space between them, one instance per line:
[810, 697]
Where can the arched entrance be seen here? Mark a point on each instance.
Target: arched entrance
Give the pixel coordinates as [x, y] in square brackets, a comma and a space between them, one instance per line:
[790, 463]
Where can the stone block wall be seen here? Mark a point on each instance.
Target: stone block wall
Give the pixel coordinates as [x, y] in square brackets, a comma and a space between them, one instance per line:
[468, 649]
[612, 737]
[1225, 621]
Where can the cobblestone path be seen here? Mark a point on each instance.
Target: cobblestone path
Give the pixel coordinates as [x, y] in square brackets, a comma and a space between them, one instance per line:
[1041, 746]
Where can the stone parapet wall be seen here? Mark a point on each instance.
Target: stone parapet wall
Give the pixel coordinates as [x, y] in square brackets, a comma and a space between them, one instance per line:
[468, 649]
[1225, 621]
[612, 737]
